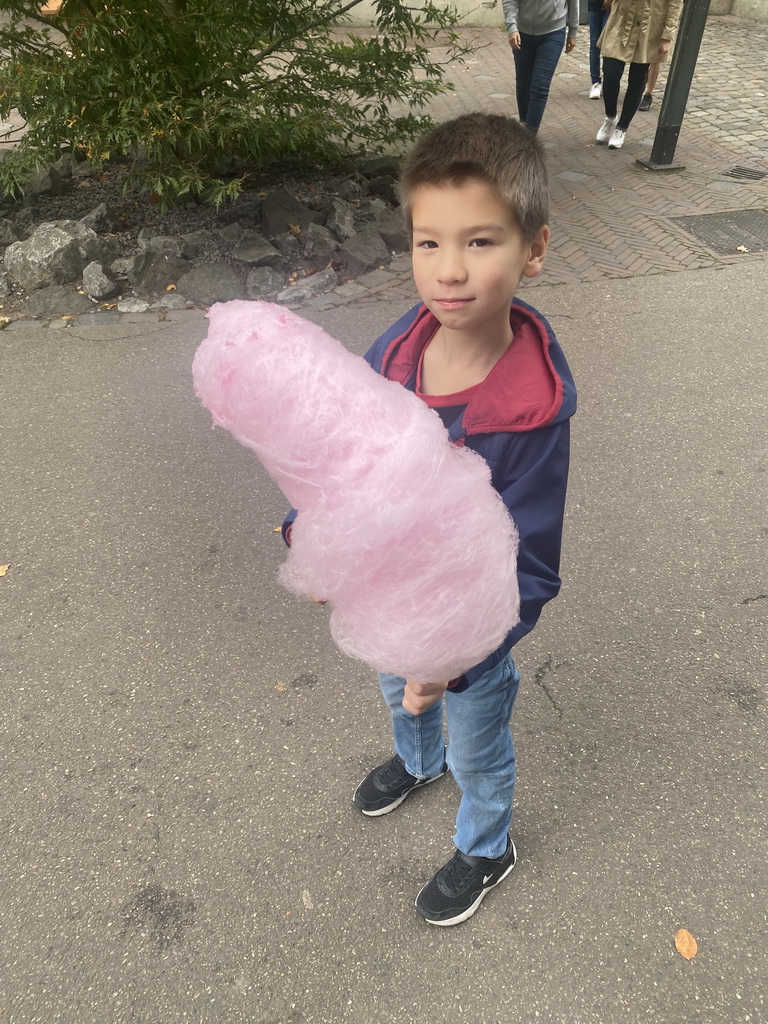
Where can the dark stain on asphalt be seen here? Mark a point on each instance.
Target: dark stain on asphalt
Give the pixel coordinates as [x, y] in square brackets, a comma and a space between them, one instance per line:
[305, 679]
[162, 914]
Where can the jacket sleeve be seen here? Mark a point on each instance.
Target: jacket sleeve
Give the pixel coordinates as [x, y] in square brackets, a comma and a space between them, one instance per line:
[573, 18]
[510, 15]
[532, 477]
[672, 18]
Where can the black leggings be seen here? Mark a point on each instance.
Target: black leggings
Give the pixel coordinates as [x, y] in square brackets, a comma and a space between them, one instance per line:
[612, 71]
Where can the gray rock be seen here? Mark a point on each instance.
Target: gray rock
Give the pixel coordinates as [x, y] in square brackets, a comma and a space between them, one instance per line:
[171, 300]
[132, 306]
[65, 165]
[57, 301]
[254, 249]
[340, 219]
[85, 169]
[280, 210]
[198, 240]
[24, 223]
[245, 210]
[349, 190]
[8, 232]
[309, 287]
[5, 285]
[288, 245]
[378, 166]
[150, 273]
[317, 248]
[171, 244]
[103, 219]
[384, 186]
[45, 182]
[213, 282]
[49, 256]
[263, 283]
[391, 226]
[121, 266]
[231, 232]
[361, 253]
[92, 247]
[98, 283]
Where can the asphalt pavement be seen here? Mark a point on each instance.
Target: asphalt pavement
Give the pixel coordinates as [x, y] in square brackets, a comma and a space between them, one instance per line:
[180, 740]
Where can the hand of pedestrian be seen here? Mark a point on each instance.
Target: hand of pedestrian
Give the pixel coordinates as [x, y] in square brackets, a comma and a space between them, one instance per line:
[514, 40]
[607, 5]
[569, 44]
[417, 697]
[664, 48]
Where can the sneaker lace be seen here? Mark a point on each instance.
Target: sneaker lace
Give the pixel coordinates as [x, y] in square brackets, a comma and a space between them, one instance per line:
[393, 774]
[457, 871]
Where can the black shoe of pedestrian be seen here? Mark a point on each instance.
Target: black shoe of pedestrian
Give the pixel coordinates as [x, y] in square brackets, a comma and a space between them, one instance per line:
[458, 888]
[385, 788]
[646, 101]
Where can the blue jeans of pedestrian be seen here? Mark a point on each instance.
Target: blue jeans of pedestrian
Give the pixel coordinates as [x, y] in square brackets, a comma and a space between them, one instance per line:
[480, 754]
[535, 64]
[597, 17]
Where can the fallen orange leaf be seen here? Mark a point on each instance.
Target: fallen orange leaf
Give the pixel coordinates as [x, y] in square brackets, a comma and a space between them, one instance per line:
[4, 569]
[170, 287]
[685, 944]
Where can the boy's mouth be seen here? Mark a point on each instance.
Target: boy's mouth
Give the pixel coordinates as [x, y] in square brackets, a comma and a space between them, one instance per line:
[452, 303]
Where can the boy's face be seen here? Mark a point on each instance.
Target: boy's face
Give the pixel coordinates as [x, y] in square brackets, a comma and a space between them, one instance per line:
[469, 254]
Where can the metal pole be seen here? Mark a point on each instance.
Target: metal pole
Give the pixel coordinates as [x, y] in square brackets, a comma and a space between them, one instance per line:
[689, 36]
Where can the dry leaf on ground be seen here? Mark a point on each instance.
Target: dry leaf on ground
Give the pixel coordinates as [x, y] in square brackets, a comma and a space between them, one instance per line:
[685, 944]
[4, 569]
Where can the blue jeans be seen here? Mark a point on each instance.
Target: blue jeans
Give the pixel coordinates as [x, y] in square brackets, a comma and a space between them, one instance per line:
[597, 17]
[481, 754]
[535, 64]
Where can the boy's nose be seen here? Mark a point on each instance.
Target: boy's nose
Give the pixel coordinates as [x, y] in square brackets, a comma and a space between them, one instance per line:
[452, 267]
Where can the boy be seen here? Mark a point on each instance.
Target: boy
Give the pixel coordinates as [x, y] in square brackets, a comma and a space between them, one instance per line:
[474, 192]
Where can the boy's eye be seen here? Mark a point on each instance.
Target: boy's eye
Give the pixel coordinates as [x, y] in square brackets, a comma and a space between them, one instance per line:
[427, 244]
[480, 243]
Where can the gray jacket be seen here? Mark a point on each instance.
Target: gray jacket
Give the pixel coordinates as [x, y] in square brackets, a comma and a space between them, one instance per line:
[538, 17]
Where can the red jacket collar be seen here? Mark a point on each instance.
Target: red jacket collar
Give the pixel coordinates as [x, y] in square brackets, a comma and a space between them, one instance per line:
[522, 392]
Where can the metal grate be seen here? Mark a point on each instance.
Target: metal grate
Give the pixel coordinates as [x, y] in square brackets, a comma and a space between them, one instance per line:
[728, 233]
[748, 173]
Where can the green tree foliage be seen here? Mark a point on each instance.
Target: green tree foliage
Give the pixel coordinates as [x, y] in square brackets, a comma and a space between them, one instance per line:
[194, 91]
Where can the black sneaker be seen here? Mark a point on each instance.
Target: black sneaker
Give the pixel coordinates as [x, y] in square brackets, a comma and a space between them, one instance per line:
[385, 788]
[458, 888]
[646, 101]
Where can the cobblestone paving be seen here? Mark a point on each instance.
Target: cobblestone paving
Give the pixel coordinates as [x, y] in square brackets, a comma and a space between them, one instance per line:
[610, 217]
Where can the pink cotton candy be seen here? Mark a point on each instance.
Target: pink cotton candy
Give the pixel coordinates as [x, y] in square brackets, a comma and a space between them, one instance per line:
[398, 529]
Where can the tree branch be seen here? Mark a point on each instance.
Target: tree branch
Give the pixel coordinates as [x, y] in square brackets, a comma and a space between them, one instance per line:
[322, 20]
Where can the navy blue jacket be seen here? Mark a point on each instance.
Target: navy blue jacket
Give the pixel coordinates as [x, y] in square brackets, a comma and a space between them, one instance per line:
[518, 420]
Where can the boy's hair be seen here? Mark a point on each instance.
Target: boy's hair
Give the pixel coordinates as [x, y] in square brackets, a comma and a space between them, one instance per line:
[490, 147]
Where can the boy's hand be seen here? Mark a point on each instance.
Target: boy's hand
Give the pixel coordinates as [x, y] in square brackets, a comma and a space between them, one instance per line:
[417, 697]
[514, 40]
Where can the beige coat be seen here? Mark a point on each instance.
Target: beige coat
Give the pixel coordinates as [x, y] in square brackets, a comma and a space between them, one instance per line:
[635, 28]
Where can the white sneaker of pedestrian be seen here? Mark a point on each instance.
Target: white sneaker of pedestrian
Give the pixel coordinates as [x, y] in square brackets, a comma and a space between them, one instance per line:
[606, 129]
[596, 92]
[616, 140]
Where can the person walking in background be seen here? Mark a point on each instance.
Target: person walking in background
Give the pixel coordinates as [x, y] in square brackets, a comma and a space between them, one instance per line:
[597, 17]
[537, 35]
[638, 33]
[653, 74]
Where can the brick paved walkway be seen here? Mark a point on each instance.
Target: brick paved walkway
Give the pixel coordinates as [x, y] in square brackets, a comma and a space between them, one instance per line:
[610, 217]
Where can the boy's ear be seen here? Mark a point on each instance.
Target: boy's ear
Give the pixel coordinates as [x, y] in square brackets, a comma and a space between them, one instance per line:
[537, 253]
